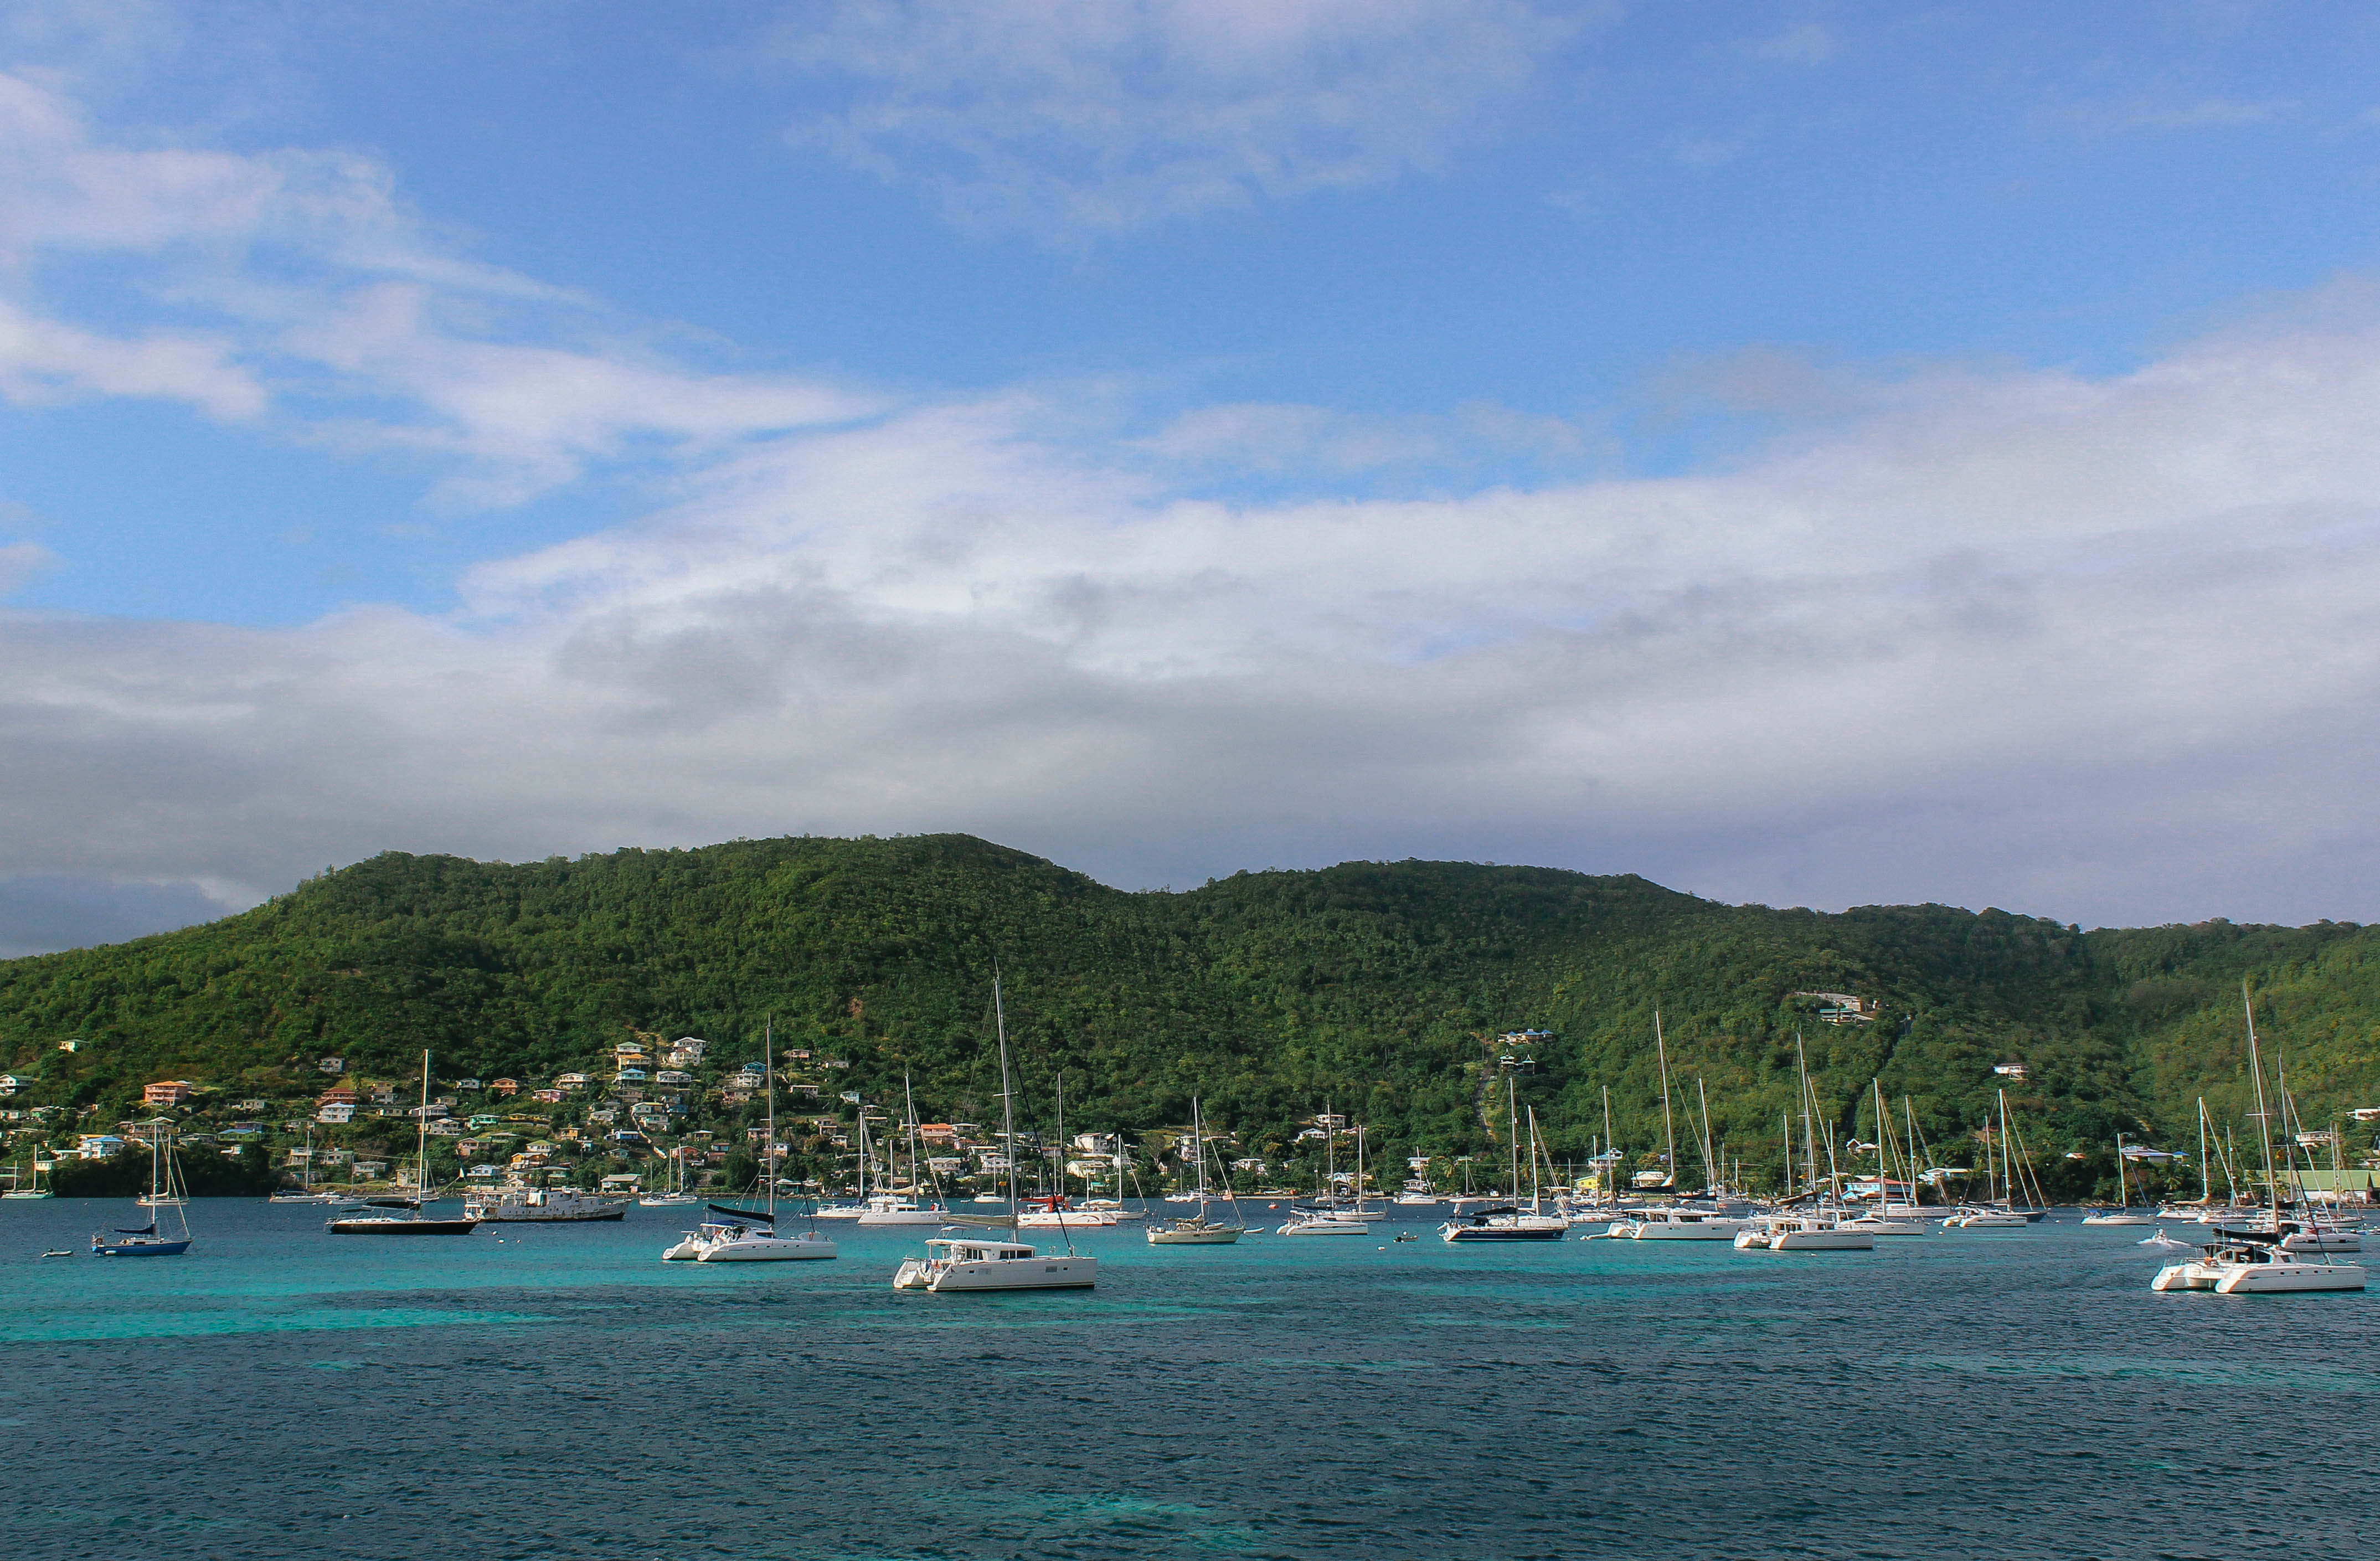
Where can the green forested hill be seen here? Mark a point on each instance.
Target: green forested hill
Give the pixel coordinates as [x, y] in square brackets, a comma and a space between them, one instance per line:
[1378, 987]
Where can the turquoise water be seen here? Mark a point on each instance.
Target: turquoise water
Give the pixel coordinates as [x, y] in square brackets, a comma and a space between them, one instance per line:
[558, 1392]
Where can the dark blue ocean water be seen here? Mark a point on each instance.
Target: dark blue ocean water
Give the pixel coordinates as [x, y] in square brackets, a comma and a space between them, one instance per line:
[558, 1392]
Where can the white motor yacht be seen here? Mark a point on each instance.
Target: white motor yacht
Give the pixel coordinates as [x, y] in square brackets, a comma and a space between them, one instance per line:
[1324, 1222]
[1970, 1216]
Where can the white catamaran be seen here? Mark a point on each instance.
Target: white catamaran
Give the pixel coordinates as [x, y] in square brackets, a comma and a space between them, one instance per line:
[2254, 1262]
[987, 1262]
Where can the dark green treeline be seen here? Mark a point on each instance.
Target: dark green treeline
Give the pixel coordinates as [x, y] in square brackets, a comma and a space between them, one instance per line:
[1379, 986]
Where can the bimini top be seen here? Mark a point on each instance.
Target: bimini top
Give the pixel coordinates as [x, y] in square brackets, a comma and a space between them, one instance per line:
[978, 1249]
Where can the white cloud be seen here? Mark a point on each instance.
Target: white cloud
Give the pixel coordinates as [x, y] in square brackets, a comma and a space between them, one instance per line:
[1068, 119]
[299, 278]
[19, 562]
[2102, 649]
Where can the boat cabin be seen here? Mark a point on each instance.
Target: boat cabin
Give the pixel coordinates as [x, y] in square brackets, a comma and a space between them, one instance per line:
[959, 1249]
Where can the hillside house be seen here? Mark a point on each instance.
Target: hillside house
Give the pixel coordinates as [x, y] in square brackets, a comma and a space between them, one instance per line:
[169, 1091]
[504, 1086]
[336, 1112]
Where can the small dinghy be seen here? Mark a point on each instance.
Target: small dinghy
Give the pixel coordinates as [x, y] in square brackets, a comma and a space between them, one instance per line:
[2161, 1243]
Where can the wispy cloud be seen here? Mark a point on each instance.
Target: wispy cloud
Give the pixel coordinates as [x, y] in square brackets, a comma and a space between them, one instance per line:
[2161, 116]
[1068, 120]
[1802, 42]
[295, 283]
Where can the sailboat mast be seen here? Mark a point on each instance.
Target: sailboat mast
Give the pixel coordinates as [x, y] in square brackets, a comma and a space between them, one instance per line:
[1512, 1129]
[769, 1150]
[1710, 1175]
[1669, 1137]
[1534, 1193]
[421, 1143]
[1198, 1144]
[1610, 1150]
[1329, 1153]
[2263, 1117]
[2205, 1185]
[1007, 1106]
[1809, 1138]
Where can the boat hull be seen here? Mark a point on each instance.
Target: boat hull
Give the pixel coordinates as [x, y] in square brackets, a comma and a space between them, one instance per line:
[1696, 1230]
[401, 1226]
[1465, 1234]
[2118, 1220]
[139, 1249]
[766, 1249]
[1212, 1236]
[1324, 1227]
[2291, 1279]
[908, 1216]
[1837, 1240]
[998, 1274]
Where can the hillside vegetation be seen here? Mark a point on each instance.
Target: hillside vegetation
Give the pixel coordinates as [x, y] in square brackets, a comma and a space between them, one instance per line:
[1381, 987]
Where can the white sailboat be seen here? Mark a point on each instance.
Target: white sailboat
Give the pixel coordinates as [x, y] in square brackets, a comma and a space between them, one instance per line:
[751, 1235]
[677, 1197]
[1329, 1219]
[26, 1188]
[990, 1262]
[2123, 1214]
[304, 1192]
[1197, 1230]
[1999, 1214]
[890, 1207]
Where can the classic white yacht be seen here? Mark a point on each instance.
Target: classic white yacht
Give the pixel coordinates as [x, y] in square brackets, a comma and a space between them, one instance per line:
[751, 1235]
[990, 1261]
[521, 1204]
[1197, 1230]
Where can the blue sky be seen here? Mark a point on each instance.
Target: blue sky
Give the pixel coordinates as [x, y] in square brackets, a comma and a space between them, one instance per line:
[1818, 454]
